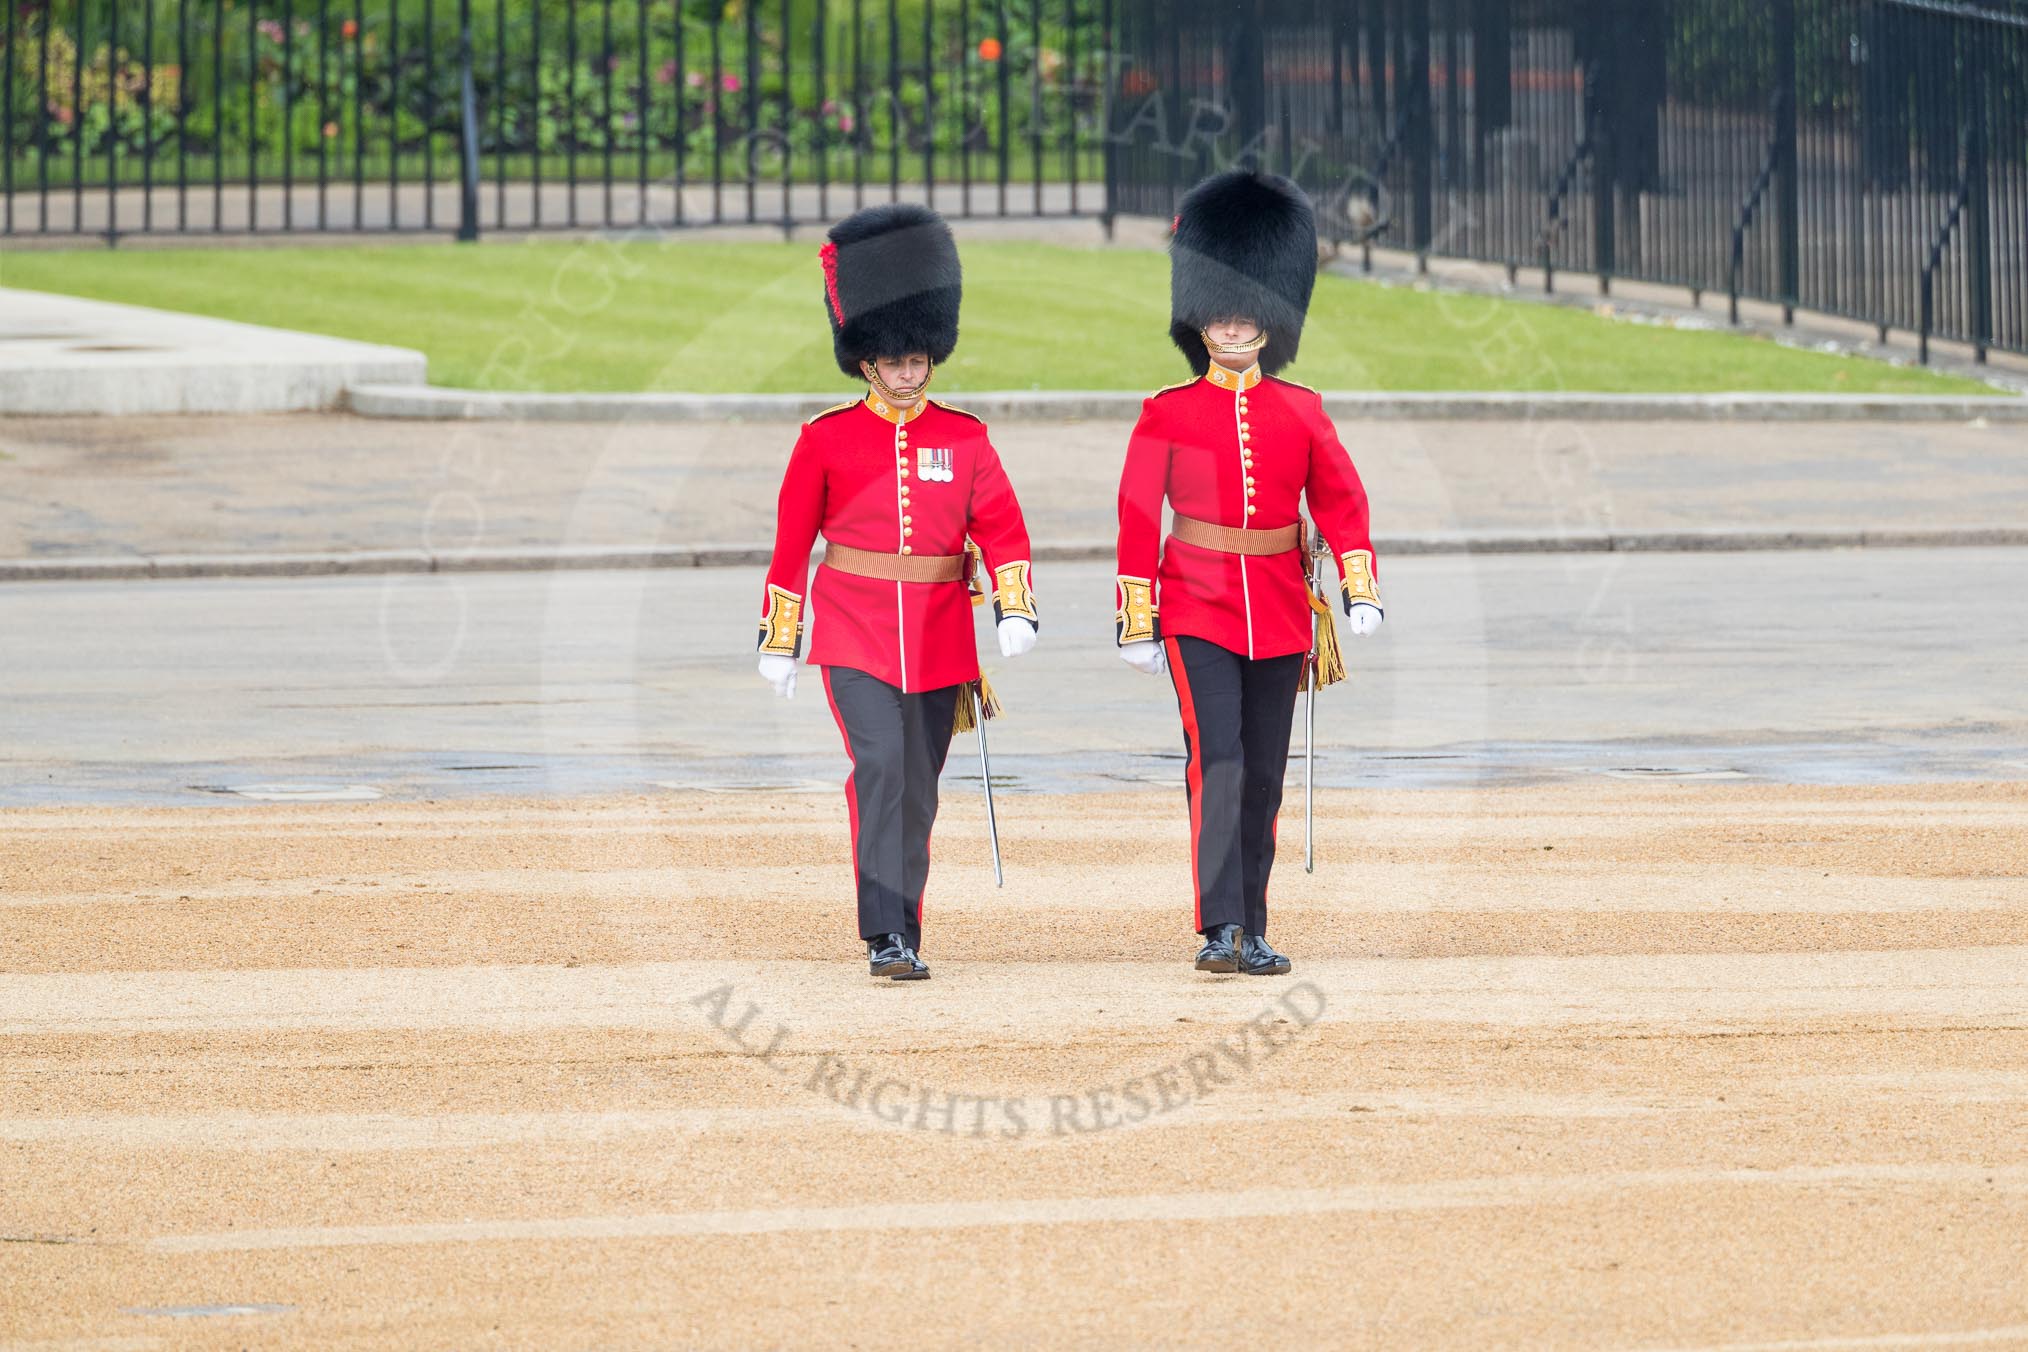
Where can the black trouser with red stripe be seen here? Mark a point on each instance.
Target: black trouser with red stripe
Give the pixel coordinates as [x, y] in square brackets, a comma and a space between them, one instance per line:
[897, 744]
[1238, 713]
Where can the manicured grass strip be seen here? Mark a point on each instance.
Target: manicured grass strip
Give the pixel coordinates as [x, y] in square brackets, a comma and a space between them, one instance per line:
[686, 314]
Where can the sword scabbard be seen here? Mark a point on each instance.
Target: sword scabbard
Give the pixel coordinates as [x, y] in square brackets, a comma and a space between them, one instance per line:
[986, 779]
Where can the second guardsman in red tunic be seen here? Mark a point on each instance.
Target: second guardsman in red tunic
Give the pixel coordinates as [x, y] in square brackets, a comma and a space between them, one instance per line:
[896, 483]
[1222, 604]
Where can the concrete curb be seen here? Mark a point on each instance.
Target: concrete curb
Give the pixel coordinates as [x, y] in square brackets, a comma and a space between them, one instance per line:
[1432, 543]
[158, 383]
[69, 356]
[433, 402]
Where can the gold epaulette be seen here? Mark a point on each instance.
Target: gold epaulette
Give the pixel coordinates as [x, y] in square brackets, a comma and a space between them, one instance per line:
[1179, 385]
[835, 408]
[1297, 383]
[953, 408]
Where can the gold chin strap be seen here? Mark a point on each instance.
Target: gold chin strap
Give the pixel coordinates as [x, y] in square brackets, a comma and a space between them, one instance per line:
[1253, 344]
[872, 374]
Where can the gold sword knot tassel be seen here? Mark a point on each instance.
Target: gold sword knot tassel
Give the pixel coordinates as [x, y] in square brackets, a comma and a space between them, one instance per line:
[1327, 662]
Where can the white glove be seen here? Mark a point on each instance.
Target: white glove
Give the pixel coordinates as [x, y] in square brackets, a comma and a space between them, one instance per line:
[779, 672]
[1363, 619]
[1017, 635]
[1145, 655]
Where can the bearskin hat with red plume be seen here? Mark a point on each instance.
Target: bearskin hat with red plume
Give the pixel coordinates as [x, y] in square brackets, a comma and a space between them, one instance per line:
[891, 285]
[1245, 244]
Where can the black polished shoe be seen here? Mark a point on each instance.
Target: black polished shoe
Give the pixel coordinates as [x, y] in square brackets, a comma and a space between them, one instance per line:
[1257, 959]
[918, 970]
[887, 955]
[1219, 953]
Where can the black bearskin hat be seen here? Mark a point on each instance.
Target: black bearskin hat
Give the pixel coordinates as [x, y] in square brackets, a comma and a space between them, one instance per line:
[891, 285]
[1245, 244]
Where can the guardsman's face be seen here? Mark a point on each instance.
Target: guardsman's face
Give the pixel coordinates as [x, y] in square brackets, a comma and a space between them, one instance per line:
[904, 375]
[1232, 329]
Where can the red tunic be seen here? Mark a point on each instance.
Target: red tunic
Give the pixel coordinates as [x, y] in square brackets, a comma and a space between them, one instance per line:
[914, 481]
[1237, 449]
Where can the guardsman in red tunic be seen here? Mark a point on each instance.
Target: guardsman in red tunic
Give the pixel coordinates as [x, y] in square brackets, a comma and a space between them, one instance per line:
[896, 483]
[1223, 605]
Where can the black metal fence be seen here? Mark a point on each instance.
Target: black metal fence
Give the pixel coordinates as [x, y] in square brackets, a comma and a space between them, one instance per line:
[1863, 158]
[1866, 158]
[126, 116]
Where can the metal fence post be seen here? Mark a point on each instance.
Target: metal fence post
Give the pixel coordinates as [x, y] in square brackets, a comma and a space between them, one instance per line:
[1602, 109]
[1419, 143]
[468, 131]
[1108, 78]
[1788, 215]
[1248, 82]
[1978, 235]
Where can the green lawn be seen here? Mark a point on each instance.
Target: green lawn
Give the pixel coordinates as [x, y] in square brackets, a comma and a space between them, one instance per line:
[682, 314]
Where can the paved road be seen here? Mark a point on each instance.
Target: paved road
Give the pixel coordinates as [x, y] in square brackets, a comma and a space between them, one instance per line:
[294, 483]
[1825, 666]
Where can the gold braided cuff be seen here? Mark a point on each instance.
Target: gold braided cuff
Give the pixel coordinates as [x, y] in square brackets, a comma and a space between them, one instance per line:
[781, 625]
[1359, 586]
[1134, 621]
[1011, 592]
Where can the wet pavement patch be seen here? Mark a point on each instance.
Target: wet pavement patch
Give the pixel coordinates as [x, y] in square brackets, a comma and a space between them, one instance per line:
[1891, 756]
[1671, 772]
[745, 785]
[297, 793]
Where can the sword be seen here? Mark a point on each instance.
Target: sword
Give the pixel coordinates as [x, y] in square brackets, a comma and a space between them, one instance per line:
[1312, 550]
[986, 776]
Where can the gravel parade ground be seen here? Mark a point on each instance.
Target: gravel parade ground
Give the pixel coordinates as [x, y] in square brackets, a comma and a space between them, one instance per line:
[1611, 1064]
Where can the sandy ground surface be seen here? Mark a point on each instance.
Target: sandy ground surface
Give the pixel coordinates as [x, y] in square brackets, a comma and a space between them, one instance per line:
[1612, 1065]
[309, 482]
